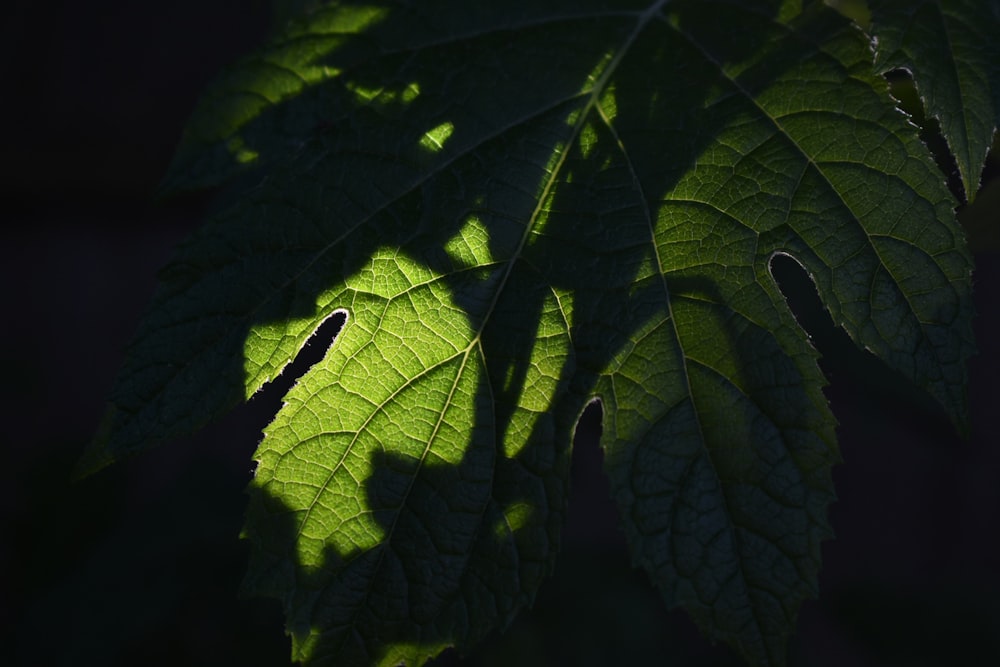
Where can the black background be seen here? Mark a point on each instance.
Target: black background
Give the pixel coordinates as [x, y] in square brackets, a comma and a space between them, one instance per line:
[141, 564]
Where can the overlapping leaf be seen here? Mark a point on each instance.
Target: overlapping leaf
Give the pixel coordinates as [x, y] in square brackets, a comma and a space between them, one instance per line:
[519, 207]
[952, 49]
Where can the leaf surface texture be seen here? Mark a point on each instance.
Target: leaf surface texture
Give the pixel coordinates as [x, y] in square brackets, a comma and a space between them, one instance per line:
[520, 207]
[952, 49]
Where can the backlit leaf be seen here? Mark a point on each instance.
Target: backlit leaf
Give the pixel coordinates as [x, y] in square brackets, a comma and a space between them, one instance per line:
[521, 207]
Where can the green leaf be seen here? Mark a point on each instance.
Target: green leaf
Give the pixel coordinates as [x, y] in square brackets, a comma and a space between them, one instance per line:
[952, 50]
[522, 207]
[269, 103]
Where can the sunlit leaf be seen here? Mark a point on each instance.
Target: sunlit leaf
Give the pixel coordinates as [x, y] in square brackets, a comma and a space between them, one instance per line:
[521, 207]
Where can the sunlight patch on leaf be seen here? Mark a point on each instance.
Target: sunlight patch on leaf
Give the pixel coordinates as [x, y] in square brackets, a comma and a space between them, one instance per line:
[599, 70]
[328, 441]
[470, 246]
[515, 517]
[609, 102]
[410, 93]
[382, 95]
[240, 152]
[588, 137]
[435, 138]
[539, 378]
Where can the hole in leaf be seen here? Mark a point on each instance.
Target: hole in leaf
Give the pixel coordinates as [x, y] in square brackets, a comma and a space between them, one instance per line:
[803, 300]
[317, 345]
[268, 400]
[860, 381]
[311, 353]
[904, 90]
[592, 516]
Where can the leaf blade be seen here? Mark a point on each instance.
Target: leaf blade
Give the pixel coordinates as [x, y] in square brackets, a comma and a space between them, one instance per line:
[950, 48]
[602, 226]
[742, 220]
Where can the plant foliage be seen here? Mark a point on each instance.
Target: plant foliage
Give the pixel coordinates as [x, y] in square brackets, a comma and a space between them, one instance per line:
[524, 206]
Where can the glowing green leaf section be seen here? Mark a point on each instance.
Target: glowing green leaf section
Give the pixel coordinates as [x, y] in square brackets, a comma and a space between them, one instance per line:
[435, 137]
[403, 373]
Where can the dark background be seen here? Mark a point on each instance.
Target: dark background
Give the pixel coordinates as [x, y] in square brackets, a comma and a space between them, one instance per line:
[141, 563]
